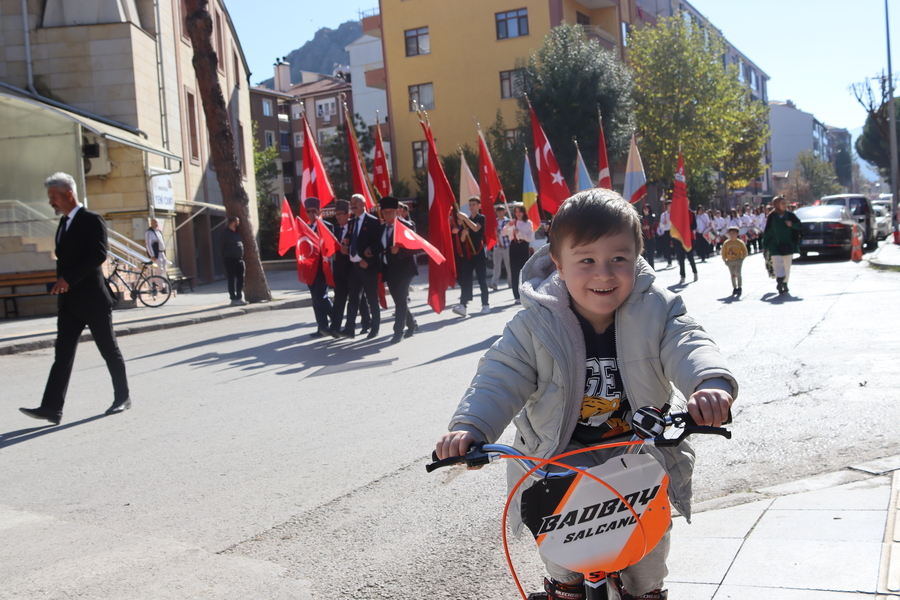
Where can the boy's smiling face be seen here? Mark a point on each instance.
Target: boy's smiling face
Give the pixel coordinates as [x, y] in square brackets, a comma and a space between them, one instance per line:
[599, 276]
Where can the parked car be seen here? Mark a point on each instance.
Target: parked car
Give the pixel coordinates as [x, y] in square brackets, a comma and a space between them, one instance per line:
[882, 221]
[861, 208]
[826, 229]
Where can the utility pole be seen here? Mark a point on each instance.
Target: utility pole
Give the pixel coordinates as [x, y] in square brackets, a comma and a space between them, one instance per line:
[893, 122]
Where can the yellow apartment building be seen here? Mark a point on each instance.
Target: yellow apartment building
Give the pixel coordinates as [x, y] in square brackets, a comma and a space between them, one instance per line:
[458, 60]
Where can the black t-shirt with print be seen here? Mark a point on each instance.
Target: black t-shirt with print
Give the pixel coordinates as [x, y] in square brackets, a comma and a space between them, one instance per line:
[605, 407]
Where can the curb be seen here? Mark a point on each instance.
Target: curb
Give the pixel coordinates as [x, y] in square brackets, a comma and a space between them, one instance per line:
[48, 341]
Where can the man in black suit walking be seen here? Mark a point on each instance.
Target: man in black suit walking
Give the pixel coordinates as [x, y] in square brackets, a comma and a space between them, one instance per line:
[399, 269]
[84, 300]
[365, 258]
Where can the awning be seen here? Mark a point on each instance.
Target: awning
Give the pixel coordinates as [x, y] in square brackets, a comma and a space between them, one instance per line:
[205, 205]
[104, 130]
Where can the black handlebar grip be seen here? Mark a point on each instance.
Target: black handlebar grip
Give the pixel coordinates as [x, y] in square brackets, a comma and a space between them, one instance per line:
[447, 462]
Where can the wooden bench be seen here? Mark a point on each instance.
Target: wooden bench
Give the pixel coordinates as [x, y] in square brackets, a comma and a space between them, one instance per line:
[19, 280]
[178, 278]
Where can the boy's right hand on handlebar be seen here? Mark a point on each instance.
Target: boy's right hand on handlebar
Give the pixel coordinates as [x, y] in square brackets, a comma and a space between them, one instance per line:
[454, 443]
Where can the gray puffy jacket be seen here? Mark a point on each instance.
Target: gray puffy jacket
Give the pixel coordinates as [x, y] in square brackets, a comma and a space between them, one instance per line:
[534, 375]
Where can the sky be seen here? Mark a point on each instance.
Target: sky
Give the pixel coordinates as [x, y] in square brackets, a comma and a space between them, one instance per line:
[812, 50]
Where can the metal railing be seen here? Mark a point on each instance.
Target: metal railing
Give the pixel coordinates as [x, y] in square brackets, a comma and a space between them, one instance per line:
[19, 219]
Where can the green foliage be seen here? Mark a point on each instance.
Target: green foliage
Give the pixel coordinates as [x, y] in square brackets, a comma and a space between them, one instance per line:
[873, 145]
[701, 187]
[508, 155]
[266, 171]
[566, 80]
[812, 179]
[843, 166]
[335, 152]
[685, 96]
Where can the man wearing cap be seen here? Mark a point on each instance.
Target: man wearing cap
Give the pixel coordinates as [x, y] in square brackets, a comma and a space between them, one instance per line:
[364, 247]
[319, 288]
[398, 270]
[340, 268]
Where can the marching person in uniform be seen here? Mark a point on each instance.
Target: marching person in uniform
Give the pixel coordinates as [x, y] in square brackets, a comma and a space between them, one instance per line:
[318, 289]
[399, 269]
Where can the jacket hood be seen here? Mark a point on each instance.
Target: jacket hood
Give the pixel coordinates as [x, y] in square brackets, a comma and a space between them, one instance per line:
[542, 286]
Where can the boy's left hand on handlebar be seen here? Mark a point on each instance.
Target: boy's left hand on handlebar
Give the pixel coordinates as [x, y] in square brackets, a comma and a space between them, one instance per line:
[710, 407]
[454, 443]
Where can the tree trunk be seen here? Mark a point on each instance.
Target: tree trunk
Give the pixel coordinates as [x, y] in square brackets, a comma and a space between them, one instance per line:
[221, 142]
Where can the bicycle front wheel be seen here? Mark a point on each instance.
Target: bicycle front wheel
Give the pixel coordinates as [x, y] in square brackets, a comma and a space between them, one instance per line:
[153, 291]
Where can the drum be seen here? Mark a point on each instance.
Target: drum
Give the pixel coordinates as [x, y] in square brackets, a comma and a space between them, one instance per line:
[711, 236]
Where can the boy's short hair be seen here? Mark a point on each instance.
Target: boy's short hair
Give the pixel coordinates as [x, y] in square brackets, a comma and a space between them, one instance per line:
[734, 229]
[475, 199]
[592, 214]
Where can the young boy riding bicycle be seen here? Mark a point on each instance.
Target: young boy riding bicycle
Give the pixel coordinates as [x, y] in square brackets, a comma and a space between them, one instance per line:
[597, 339]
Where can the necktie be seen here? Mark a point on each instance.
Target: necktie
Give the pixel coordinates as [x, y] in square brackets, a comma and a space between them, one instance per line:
[62, 228]
[353, 237]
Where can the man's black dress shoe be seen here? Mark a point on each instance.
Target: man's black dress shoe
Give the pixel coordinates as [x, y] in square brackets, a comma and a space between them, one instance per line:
[364, 329]
[54, 416]
[409, 332]
[346, 333]
[372, 333]
[397, 337]
[119, 406]
[316, 334]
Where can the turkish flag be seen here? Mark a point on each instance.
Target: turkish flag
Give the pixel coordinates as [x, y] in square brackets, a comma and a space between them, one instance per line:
[330, 244]
[603, 162]
[287, 235]
[314, 182]
[680, 212]
[441, 277]
[490, 190]
[357, 168]
[309, 254]
[382, 176]
[409, 239]
[554, 190]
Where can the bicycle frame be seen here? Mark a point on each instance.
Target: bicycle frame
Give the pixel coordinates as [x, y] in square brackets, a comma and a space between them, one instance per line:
[600, 519]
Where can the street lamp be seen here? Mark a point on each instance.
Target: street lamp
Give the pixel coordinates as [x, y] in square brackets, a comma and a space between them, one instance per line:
[893, 122]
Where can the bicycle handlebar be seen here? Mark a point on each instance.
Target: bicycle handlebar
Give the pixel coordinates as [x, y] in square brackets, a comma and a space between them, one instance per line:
[482, 453]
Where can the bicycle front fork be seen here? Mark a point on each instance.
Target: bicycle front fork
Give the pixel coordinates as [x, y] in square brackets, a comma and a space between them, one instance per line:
[602, 586]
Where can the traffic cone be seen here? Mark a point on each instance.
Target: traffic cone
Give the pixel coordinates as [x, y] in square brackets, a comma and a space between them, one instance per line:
[855, 248]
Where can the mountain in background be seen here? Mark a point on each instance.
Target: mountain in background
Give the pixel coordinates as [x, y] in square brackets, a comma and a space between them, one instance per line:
[322, 53]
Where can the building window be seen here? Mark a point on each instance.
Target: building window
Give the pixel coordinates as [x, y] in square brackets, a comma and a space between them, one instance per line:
[417, 42]
[325, 109]
[287, 169]
[270, 139]
[296, 111]
[421, 96]
[325, 133]
[285, 140]
[237, 69]
[239, 151]
[267, 108]
[298, 140]
[512, 24]
[193, 130]
[510, 83]
[420, 155]
[582, 19]
[220, 42]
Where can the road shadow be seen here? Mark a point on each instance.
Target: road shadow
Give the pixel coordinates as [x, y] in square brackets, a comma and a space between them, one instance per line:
[11, 438]
[478, 347]
[729, 299]
[776, 298]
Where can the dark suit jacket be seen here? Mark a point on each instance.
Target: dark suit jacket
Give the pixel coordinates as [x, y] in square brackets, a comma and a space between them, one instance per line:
[402, 264]
[369, 238]
[80, 252]
[341, 262]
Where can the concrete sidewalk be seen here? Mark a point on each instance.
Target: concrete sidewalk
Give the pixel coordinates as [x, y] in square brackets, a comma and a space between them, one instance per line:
[886, 256]
[207, 302]
[833, 536]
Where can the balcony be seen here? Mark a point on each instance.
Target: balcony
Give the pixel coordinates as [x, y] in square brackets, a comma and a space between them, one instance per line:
[375, 75]
[592, 4]
[606, 39]
[371, 23]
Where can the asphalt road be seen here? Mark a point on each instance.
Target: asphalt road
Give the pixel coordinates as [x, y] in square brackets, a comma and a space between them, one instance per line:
[259, 463]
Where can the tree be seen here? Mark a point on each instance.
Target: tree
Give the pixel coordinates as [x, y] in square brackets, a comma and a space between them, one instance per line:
[335, 153]
[221, 142]
[873, 146]
[684, 96]
[266, 170]
[814, 175]
[508, 153]
[566, 80]
[843, 166]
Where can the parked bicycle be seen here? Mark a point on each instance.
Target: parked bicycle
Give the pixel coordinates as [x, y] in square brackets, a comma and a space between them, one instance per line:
[596, 520]
[151, 290]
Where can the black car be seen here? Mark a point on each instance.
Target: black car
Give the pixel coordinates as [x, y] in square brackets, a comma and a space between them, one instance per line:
[826, 229]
